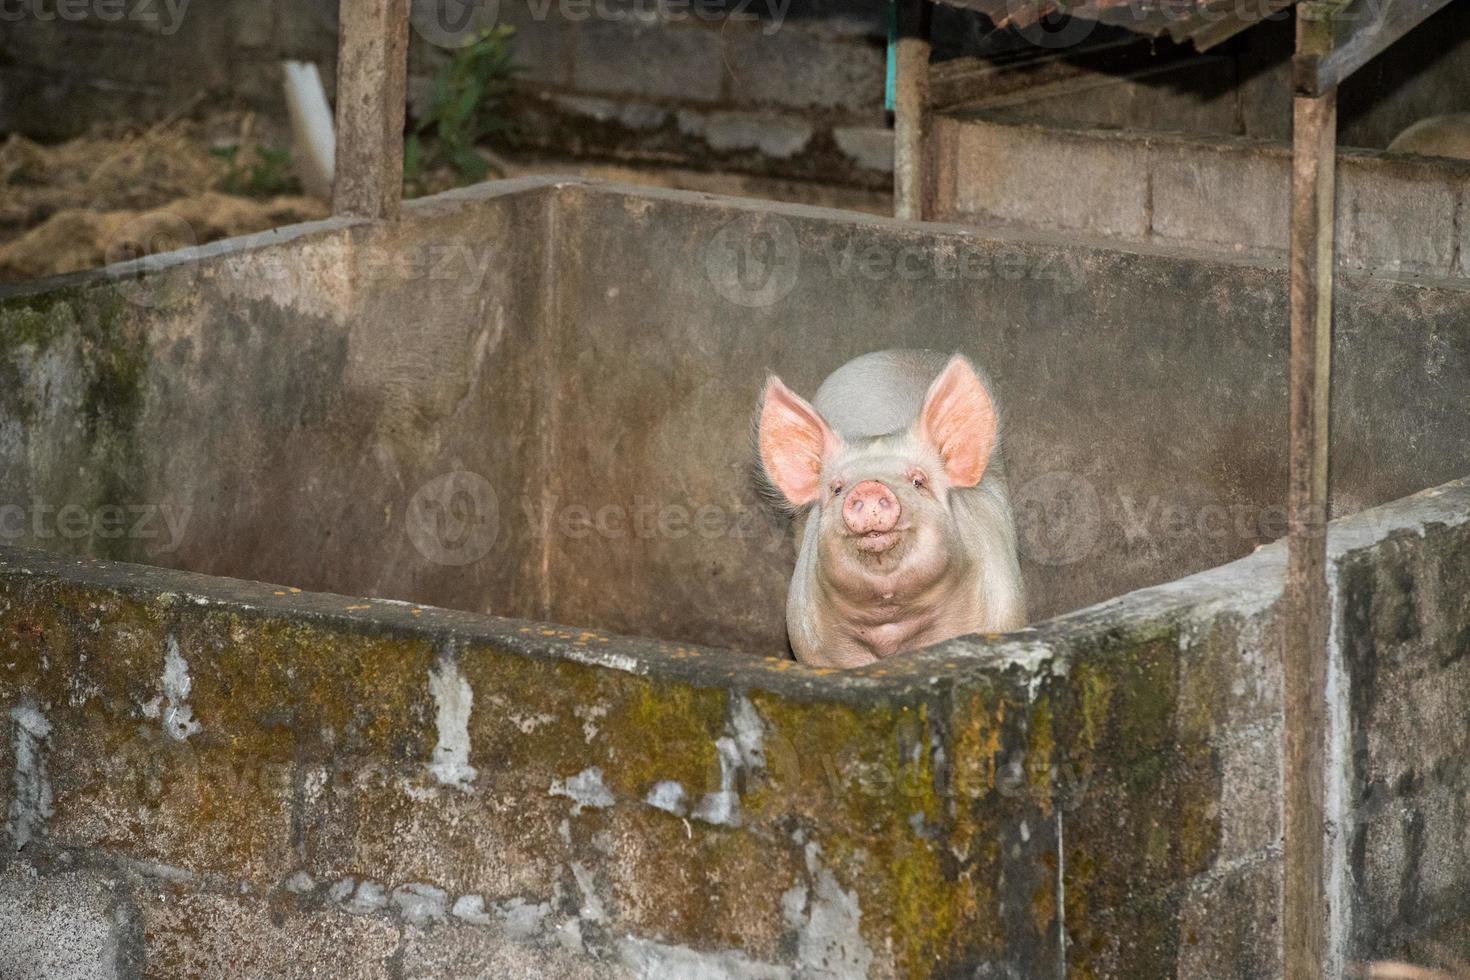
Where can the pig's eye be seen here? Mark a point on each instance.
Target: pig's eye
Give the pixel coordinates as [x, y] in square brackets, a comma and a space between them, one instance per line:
[836, 487]
[918, 479]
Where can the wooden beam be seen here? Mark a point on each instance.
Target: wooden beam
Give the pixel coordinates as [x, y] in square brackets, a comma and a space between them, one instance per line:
[1307, 611]
[911, 177]
[1337, 37]
[372, 80]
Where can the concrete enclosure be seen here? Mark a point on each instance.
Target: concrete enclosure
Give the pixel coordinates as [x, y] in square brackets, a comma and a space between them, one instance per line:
[532, 399]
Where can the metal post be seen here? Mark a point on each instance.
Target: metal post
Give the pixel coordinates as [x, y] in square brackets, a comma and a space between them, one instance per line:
[372, 79]
[911, 191]
[1314, 151]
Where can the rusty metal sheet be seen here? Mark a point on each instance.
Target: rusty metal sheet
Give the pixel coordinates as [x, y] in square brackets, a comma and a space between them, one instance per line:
[1204, 22]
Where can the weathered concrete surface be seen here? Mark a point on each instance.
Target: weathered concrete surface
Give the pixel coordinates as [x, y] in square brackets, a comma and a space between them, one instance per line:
[1142, 391]
[533, 399]
[197, 420]
[436, 766]
[558, 434]
[63, 926]
[1395, 213]
[1094, 798]
[1405, 648]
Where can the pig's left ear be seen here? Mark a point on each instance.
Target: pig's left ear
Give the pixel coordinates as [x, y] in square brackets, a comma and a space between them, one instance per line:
[794, 440]
[959, 420]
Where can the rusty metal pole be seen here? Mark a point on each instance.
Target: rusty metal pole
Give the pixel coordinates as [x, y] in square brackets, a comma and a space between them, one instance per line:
[1314, 154]
[372, 81]
[911, 191]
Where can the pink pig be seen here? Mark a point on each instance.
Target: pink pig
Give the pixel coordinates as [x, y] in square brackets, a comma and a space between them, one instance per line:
[908, 536]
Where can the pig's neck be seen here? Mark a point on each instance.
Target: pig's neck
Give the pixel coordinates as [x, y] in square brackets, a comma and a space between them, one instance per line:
[882, 618]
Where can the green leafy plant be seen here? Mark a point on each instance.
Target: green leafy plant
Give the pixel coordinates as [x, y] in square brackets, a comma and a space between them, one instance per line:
[268, 175]
[467, 105]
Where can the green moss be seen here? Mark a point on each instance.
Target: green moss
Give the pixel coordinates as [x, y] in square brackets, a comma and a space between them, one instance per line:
[1096, 692]
[38, 318]
[667, 732]
[93, 333]
[1040, 756]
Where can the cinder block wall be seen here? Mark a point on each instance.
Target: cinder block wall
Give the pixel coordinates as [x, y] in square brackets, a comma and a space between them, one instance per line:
[1394, 213]
[788, 90]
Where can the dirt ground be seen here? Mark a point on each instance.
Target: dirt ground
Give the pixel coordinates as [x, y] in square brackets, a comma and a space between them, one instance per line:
[122, 191]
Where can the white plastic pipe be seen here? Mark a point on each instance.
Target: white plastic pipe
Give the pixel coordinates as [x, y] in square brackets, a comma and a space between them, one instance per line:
[313, 135]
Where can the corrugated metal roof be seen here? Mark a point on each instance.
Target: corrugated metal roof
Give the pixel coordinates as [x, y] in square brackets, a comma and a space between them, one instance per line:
[1205, 22]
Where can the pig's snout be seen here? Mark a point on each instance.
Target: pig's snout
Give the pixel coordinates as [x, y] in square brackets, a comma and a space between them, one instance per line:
[870, 508]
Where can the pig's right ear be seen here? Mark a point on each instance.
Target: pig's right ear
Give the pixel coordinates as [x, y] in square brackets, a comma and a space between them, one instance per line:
[794, 439]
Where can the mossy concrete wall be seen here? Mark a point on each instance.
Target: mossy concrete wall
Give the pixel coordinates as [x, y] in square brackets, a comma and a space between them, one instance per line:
[209, 777]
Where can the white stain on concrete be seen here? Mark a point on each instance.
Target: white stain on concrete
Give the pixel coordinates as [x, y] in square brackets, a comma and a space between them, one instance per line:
[420, 904]
[722, 808]
[592, 909]
[741, 748]
[589, 716]
[178, 717]
[793, 905]
[829, 938]
[300, 883]
[585, 789]
[359, 898]
[529, 723]
[651, 960]
[601, 658]
[569, 936]
[749, 731]
[453, 701]
[30, 803]
[522, 920]
[668, 796]
[471, 909]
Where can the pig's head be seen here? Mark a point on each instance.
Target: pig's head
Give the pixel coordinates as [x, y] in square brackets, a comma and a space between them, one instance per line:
[888, 532]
